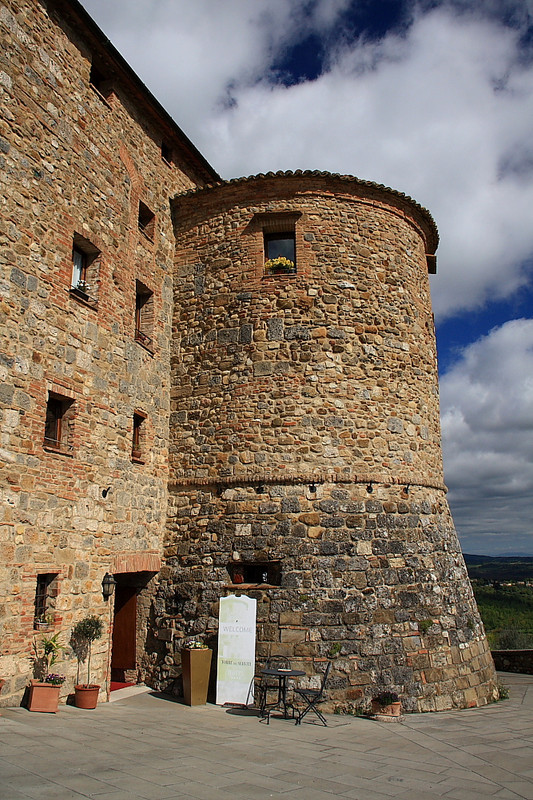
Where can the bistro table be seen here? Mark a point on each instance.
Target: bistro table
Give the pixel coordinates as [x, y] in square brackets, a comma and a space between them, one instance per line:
[281, 704]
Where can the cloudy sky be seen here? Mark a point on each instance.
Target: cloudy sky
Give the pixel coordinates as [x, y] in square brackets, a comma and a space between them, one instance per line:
[431, 97]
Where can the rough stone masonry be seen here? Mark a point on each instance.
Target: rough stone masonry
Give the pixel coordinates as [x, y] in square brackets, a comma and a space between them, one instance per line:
[304, 445]
[178, 415]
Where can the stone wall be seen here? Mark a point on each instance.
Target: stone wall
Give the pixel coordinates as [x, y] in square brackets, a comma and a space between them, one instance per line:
[514, 661]
[332, 369]
[377, 583]
[75, 163]
[305, 439]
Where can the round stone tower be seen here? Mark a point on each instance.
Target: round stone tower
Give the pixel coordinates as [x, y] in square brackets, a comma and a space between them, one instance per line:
[305, 454]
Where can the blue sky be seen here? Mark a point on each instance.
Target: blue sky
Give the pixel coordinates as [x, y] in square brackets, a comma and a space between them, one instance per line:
[431, 97]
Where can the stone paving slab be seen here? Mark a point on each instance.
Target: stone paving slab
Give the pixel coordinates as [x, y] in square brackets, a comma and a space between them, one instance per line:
[148, 747]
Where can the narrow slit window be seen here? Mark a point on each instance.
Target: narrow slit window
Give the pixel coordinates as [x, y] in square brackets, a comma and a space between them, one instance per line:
[144, 315]
[58, 422]
[146, 220]
[45, 594]
[138, 444]
[166, 152]
[85, 269]
[100, 81]
[79, 267]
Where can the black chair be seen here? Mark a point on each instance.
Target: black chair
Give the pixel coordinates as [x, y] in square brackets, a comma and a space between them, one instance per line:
[312, 697]
[269, 684]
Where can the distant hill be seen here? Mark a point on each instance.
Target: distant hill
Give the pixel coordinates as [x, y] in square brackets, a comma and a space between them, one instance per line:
[499, 568]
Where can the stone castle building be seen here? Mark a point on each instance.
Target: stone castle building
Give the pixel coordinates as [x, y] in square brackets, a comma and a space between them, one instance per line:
[180, 414]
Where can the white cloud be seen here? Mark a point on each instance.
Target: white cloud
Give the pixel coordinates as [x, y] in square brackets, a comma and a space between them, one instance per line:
[487, 430]
[442, 112]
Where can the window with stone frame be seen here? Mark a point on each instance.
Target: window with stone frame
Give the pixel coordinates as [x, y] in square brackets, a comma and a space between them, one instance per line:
[59, 423]
[46, 591]
[146, 221]
[85, 269]
[144, 315]
[138, 443]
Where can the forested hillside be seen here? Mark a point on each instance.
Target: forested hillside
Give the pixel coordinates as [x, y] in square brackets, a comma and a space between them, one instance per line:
[504, 593]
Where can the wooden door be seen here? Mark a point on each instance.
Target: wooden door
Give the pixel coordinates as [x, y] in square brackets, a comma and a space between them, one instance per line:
[123, 654]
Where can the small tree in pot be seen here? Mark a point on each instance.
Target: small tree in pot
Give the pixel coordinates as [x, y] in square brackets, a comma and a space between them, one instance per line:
[84, 633]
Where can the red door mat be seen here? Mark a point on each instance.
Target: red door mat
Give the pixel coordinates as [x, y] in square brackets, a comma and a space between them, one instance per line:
[120, 685]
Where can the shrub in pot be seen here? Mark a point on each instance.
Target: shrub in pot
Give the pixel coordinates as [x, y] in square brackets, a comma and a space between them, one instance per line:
[386, 703]
[84, 633]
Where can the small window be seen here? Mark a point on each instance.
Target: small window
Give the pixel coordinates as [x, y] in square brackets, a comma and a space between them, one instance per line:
[280, 253]
[144, 315]
[58, 423]
[101, 82]
[45, 597]
[166, 152]
[85, 269]
[146, 220]
[138, 443]
[257, 572]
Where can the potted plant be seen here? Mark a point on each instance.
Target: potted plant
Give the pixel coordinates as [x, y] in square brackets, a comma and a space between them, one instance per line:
[84, 633]
[45, 688]
[386, 703]
[44, 622]
[83, 288]
[196, 668]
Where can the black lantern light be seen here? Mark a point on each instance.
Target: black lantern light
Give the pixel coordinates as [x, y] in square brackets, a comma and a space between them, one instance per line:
[108, 585]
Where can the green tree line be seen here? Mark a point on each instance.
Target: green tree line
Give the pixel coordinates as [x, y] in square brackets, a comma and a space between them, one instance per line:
[507, 614]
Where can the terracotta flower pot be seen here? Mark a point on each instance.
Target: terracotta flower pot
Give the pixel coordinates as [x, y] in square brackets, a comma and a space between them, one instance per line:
[391, 710]
[43, 696]
[86, 696]
[196, 666]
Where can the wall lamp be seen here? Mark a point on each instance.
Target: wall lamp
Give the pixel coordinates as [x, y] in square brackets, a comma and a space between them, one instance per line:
[312, 488]
[108, 585]
[406, 488]
[370, 488]
[105, 492]
[260, 489]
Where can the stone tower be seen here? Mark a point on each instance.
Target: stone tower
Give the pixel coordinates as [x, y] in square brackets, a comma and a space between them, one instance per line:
[305, 456]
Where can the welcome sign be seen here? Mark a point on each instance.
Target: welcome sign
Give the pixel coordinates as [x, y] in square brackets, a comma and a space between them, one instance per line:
[236, 649]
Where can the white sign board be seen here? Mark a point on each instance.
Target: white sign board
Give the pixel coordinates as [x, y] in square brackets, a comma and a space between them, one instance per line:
[236, 650]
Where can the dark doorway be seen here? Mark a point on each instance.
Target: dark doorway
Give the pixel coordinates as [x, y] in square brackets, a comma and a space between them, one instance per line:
[124, 649]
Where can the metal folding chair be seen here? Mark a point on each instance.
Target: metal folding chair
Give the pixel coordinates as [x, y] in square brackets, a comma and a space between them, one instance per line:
[312, 698]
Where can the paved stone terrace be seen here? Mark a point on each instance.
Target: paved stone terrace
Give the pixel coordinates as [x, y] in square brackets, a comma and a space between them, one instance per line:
[145, 746]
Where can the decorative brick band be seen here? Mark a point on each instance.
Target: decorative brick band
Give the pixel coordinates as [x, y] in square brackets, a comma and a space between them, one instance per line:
[136, 562]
